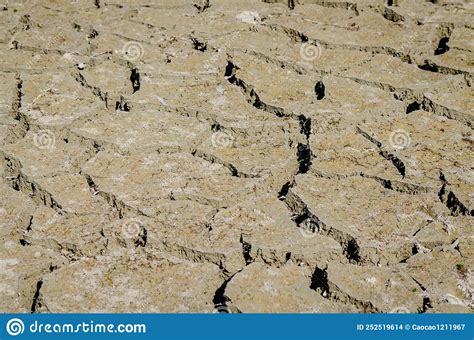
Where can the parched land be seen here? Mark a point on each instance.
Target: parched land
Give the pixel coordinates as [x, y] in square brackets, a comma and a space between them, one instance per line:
[236, 156]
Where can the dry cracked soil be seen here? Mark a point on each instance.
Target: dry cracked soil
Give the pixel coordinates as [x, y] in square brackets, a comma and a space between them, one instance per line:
[236, 156]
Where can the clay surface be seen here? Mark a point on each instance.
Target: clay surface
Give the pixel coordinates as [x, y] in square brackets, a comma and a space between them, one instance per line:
[235, 156]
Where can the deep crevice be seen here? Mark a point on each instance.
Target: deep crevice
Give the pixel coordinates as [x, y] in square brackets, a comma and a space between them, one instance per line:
[199, 45]
[250, 93]
[320, 90]
[284, 191]
[304, 158]
[36, 304]
[122, 105]
[397, 162]
[429, 66]
[142, 237]
[305, 126]
[220, 299]
[205, 4]
[135, 79]
[453, 203]
[319, 281]
[443, 46]
[426, 298]
[414, 106]
[304, 219]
